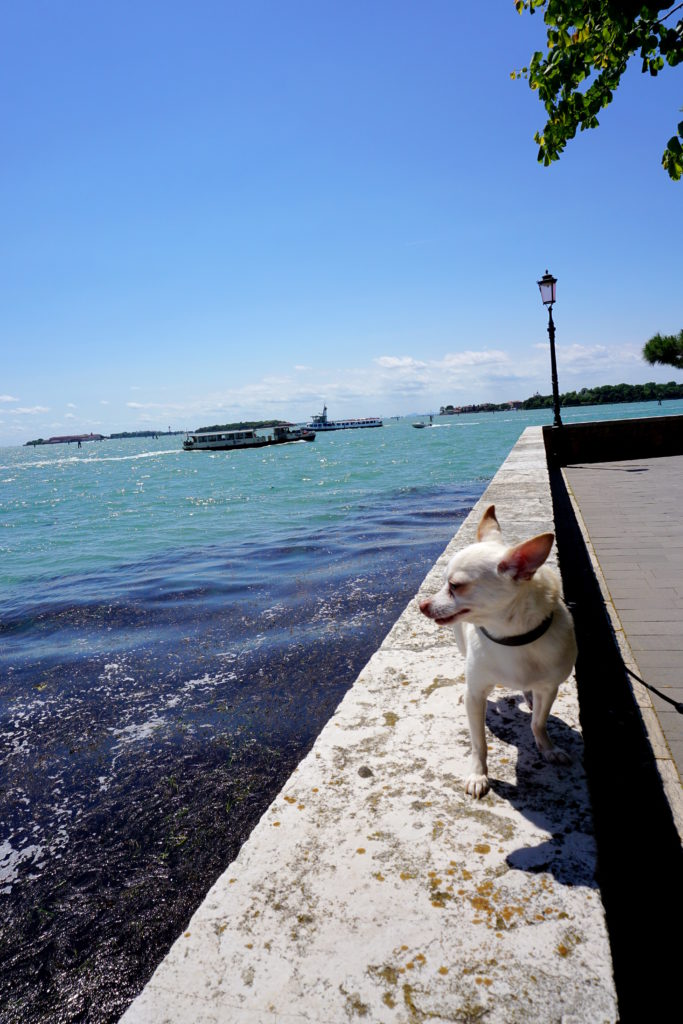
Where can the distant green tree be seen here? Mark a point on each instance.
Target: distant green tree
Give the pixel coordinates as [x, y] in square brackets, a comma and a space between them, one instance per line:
[666, 349]
[589, 44]
[607, 394]
[216, 428]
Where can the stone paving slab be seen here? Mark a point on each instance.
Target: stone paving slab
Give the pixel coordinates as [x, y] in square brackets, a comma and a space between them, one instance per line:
[631, 518]
[374, 889]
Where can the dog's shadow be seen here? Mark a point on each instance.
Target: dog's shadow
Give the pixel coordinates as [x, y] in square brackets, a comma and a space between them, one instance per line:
[553, 797]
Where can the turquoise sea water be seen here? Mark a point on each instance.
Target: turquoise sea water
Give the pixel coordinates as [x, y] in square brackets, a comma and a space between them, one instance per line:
[175, 629]
[69, 512]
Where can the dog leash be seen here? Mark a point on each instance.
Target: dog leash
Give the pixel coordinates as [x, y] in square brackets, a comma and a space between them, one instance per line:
[528, 638]
[676, 703]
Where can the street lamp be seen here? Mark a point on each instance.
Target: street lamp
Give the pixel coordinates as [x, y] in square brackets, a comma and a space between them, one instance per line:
[547, 287]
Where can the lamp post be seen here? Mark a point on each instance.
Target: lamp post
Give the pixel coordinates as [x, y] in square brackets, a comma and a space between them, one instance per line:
[547, 287]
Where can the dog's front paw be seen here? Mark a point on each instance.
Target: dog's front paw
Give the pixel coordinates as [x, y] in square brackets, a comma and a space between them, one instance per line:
[477, 786]
[556, 756]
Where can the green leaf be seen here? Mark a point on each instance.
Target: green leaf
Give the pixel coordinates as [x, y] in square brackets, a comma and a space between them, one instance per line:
[594, 42]
[672, 165]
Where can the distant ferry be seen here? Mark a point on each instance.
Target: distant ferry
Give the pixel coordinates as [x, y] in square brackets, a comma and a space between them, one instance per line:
[321, 422]
[227, 441]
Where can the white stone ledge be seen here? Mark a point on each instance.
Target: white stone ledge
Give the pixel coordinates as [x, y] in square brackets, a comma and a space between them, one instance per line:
[374, 890]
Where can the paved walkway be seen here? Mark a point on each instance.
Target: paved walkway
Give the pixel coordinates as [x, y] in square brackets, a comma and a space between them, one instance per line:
[632, 516]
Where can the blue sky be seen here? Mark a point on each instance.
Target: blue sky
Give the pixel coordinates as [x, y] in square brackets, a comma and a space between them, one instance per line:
[225, 210]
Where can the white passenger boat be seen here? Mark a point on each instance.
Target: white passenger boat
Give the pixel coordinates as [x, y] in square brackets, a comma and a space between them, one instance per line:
[320, 422]
[230, 440]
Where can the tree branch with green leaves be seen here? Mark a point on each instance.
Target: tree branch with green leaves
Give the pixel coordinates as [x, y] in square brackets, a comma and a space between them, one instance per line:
[666, 349]
[589, 45]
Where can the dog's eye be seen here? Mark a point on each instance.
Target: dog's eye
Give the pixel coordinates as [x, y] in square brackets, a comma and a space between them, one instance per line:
[455, 586]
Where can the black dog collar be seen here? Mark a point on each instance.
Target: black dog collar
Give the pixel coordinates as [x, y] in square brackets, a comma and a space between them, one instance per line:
[522, 638]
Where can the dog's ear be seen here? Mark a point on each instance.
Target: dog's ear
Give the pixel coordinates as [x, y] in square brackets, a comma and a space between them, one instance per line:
[488, 524]
[521, 562]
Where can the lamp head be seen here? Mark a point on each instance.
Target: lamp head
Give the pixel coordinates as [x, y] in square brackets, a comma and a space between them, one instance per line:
[547, 287]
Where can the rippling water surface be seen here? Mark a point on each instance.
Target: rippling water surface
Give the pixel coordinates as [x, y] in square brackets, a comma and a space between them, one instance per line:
[175, 629]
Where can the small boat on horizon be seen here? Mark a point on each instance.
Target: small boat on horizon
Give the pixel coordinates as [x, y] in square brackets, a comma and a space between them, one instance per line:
[420, 424]
[231, 440]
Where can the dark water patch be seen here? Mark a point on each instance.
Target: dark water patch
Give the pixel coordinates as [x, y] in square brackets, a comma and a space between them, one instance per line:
[90, 930]
[144, 732]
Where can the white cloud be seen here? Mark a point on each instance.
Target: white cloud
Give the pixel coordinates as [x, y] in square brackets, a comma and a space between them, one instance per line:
[487, 357]
[166, 406]
[389, 383]
[400, 363]
[384, 385]
[438, 379]
[580, 356]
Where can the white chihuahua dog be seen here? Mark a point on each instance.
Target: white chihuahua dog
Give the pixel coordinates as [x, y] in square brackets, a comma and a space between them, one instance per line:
[513, 628]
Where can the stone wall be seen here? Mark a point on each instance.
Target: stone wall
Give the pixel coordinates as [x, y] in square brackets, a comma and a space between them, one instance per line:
[374, 889]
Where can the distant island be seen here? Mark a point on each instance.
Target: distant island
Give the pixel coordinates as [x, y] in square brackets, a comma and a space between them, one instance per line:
[78, 439]
[68, 439]
[145, 433]
[606, 394]
[218, 428]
